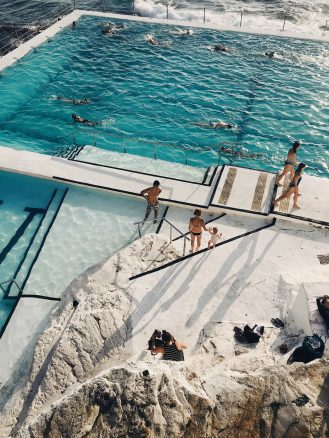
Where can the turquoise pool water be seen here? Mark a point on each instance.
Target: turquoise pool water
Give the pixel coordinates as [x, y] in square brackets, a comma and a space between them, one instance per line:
[156, 93]
[50, 233]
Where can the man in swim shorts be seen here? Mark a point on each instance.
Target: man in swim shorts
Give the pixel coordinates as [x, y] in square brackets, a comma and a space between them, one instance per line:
[151, 195]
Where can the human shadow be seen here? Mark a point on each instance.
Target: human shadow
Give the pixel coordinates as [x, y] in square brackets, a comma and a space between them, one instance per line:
[183, 288]
[222, 278]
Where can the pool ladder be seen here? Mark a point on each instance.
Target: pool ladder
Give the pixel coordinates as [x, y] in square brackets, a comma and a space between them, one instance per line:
[171, 227]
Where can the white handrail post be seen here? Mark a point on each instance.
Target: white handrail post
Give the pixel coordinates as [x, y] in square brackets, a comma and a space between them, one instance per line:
[204, 15]
[241, 18]
[284, 22]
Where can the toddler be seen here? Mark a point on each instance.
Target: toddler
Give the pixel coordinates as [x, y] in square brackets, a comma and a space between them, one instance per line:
[214, 237]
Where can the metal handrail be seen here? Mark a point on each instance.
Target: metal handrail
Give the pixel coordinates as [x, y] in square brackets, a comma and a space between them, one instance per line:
[172, 226]
[12, 281]
[182, 148]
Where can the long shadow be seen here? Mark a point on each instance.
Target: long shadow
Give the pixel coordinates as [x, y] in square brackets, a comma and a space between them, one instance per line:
[147, 303]
[241, 279]
[184, 287]
[221, 279]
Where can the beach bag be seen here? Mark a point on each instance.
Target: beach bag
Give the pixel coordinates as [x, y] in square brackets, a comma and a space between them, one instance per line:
[313, 347]
[253, 334]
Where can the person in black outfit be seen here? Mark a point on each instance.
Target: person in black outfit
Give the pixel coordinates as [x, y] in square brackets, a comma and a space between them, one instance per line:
[323, 306]
[171, 349]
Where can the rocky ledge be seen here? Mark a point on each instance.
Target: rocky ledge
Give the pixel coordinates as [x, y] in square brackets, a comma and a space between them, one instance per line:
[83, 383]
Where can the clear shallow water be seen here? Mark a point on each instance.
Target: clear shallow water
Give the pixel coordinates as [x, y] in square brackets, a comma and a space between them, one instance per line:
[90, 226]
[156, 93]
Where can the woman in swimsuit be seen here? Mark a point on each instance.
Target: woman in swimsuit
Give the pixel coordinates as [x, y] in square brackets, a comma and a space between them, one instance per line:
[289, 164]
[293, 186]
[195, 228]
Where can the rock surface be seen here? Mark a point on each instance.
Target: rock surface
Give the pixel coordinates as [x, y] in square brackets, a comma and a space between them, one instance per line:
[82, 383]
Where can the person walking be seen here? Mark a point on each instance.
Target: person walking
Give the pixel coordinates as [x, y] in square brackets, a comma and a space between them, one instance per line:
[289, 164]
[293, 187]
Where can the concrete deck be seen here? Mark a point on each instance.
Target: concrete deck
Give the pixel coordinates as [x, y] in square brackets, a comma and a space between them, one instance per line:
[233, 189]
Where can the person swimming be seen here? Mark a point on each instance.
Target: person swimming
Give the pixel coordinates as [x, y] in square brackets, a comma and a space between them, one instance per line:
[74, 101]
[214, 125]
[221, 48]
[270, 54]
[239, 153]
[109, 28]
[152, 40]
[182, 32]
[79, 119]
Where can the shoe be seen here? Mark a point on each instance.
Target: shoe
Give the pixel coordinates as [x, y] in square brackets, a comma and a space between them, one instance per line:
[277, 322]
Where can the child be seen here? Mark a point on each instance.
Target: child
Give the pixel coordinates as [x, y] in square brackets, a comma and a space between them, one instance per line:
[214, 237]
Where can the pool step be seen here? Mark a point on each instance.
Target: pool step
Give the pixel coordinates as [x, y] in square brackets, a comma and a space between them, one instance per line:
[139, 164]
[43, 220]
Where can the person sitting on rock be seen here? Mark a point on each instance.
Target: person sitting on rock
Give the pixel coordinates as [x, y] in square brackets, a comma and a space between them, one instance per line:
[171, 349]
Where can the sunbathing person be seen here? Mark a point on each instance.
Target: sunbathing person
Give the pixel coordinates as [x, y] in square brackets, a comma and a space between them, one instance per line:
[293, 187]
[214, 125]
[79, 119]
[289, 163]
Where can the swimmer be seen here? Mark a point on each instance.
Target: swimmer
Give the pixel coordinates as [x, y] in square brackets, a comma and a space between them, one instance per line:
[79, 119]
[182, 32]
[214, 125]
[110, 28]
[240, 153]
[270, 54]
[220, 48]
[150, 39]
[74, 101]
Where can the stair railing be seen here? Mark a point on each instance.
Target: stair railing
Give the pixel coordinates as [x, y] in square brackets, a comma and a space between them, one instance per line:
[172, 226]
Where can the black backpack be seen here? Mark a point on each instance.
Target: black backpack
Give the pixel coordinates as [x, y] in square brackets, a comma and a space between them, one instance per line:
[313, 347]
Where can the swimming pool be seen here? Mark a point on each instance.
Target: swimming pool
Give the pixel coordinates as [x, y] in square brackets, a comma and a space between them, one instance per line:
[50, 233]
[146, 95]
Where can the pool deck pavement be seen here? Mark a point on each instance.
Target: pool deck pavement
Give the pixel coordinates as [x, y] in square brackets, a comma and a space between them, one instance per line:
[232, 189]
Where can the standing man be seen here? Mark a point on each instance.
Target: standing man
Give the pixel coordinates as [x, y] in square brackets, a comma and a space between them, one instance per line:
[151, 195]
